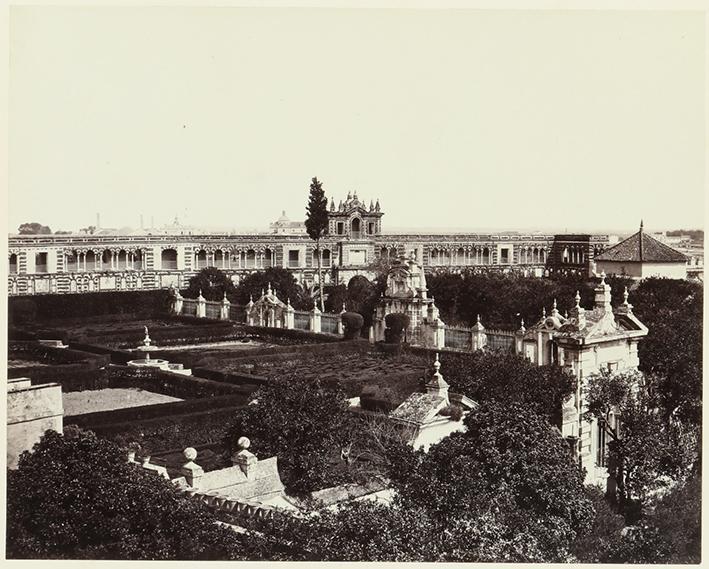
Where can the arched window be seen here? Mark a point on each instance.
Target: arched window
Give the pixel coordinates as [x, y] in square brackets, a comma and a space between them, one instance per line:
[460, 256]
[326, 260]
[268, 260]
[72, 262]
[542, 256]
[384, 254]
[168, 259]
[219, 258]
[565, 255]
[250, 259]
[201, 259]
[13, 264]
[105, 263]
[486, 256]
[356, 227]
[138, 260]
[122, 260]
[90, 260]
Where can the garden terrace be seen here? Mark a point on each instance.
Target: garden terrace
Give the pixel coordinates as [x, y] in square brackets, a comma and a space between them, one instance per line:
[350, 368]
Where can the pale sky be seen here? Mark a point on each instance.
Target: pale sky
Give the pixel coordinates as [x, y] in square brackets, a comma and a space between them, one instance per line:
[453, 118]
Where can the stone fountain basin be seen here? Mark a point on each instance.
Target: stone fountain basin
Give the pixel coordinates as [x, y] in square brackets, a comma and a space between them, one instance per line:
[157, 362]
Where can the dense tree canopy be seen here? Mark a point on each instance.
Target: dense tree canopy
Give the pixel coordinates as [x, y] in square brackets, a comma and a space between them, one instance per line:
[302, 423]
[506, 490]
[76, 497]
[33, 228]
[282, 282]
[491, 376]
[502, 300]
[212, 283]
[513, 465]
[645, 451]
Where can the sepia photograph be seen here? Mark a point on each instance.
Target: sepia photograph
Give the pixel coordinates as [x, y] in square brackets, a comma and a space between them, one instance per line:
[355, 283]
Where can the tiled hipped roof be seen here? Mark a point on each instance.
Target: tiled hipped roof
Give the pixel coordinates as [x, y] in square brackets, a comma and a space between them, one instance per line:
[641, 247]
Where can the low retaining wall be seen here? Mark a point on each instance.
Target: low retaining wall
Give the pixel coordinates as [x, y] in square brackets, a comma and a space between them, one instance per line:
[135, 414]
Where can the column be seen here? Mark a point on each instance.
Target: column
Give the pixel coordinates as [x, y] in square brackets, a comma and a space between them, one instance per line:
[315, 320]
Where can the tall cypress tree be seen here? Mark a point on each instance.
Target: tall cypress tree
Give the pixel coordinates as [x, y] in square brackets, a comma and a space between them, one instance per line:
[316, 225]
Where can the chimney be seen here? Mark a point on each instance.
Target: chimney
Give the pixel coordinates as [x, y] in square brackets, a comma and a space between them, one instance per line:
[192, 472]
[245, 459]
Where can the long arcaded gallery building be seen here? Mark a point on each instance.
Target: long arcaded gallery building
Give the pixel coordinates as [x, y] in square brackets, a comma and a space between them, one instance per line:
[56, 264]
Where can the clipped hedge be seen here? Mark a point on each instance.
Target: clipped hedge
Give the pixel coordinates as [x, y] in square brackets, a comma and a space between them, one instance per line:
[396, 323]
[352, 323]
[31, 308]
[49, 354]
[72, 377]
[173, 431]
[233, 378]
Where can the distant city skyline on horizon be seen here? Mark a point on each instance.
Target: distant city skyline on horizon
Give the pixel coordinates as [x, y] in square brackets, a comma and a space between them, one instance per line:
[264, 228]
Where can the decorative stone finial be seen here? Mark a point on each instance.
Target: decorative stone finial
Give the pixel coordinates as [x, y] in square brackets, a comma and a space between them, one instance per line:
[603, 278]
[554, 304]
[544, 312]
[522, 329]
[577, 298]
[343, 308]
[349, 196]
[192, 472]
[224, 295]
[245, 459]
[436, 364]
[268, 290]
[566, 314]
[478, 319]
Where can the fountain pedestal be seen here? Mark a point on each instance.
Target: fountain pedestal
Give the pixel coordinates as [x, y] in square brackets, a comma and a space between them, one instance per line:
[159, 363]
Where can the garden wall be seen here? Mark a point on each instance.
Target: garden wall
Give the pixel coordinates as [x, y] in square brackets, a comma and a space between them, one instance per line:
[96, 420]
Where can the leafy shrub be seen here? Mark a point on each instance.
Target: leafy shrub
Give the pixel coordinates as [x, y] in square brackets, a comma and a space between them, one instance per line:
[76, 497]
[396, 323]
[353, 322]
[455, 412]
